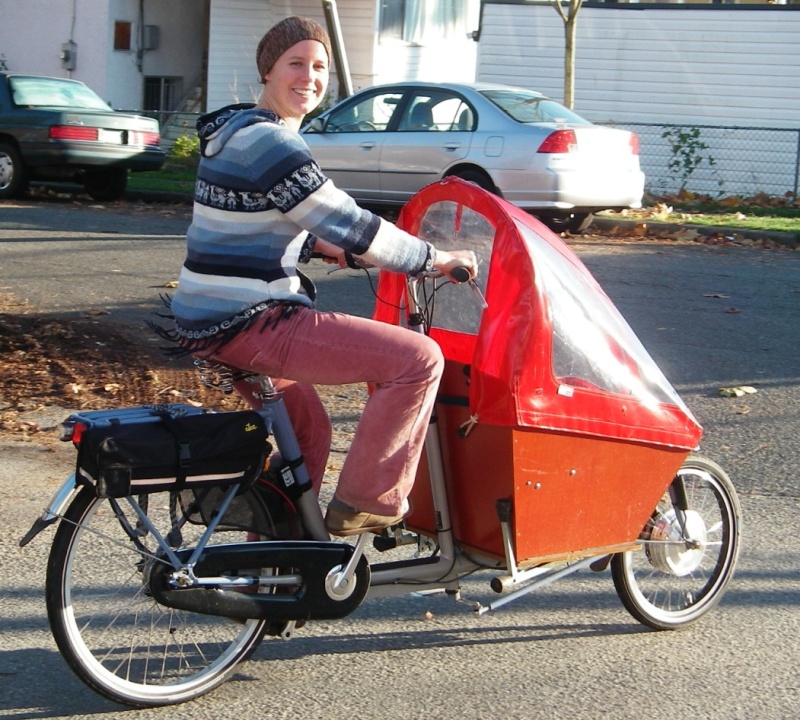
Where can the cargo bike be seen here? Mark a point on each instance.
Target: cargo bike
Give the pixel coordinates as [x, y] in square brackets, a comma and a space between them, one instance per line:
[186, 535]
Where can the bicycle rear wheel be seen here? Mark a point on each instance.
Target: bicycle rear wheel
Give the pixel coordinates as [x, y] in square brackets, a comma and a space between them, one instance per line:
[111, 632]
[684, 566]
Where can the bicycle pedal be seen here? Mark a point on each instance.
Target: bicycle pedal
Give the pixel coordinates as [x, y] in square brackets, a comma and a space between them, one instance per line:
[385, 542]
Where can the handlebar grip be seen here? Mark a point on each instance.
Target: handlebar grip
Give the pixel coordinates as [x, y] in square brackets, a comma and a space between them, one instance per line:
[351, 261]
[460, 273]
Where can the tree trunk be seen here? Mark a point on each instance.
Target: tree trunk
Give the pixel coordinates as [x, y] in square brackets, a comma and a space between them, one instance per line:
[570, 18]
[569, 60]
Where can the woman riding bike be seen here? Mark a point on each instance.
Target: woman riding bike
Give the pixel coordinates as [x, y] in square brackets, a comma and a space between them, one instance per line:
[262, 205]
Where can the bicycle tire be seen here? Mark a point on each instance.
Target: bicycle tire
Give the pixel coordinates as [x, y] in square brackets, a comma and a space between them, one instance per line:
[667, 585]
[113, 634]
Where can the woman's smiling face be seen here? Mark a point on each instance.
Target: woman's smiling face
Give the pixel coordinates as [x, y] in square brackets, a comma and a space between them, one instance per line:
[296, 83]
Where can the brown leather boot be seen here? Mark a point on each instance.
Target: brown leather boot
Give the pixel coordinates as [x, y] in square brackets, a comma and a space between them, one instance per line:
[341, 519]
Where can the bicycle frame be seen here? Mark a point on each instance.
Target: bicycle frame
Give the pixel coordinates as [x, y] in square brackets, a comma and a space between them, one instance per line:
[443, 571]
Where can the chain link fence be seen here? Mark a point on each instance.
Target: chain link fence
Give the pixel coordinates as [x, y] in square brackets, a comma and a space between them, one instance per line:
[718, 160]
[714, 160]
[174, 125]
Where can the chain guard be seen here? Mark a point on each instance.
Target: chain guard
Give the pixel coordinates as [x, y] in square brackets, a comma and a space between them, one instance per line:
[315, 561]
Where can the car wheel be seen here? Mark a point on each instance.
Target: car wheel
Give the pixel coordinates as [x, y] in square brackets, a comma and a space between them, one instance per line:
[568, 222]
[482, 180]
[106, 184]
[13, 176]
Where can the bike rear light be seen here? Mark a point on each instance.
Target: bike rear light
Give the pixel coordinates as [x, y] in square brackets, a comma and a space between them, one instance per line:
[72, 431]
[73, 132]
[560, 141]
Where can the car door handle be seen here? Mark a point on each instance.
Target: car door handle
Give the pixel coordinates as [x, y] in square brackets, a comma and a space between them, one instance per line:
[452, 146]
[367, 145]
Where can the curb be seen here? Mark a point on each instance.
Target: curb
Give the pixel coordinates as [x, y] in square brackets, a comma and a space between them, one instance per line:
[149, 196]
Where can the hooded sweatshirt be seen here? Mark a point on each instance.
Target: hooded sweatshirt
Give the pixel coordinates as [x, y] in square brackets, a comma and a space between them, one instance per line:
[260, 202]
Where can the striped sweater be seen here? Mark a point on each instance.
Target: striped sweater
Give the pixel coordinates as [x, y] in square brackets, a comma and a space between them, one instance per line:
[260, 199]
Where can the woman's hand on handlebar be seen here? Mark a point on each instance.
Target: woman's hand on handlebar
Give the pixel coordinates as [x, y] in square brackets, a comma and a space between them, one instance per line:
[457, 266]
[461, 266]
[329, 253]
[334, 255]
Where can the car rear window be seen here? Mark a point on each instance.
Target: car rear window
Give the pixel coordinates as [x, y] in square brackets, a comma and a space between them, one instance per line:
[51, 92]
[531, 108]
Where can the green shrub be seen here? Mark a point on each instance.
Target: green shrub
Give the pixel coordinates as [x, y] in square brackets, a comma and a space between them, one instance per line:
[185, 153]
[688, 153]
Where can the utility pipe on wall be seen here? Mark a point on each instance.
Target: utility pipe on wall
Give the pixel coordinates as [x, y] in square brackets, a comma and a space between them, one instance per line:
[337, 46]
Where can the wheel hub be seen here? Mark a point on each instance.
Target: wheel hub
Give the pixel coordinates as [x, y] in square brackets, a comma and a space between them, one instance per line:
[6, 172]
[673, 552]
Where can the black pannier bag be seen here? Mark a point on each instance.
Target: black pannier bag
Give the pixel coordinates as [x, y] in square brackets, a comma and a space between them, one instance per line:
[167, 447]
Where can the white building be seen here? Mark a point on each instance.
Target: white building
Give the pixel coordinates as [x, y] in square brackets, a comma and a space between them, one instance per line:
[159, 54]
[728, 76]
[134, 55]
[635, 62]
[683, 64]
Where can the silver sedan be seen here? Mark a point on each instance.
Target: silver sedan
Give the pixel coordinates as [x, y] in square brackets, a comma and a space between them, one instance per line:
[385, 143]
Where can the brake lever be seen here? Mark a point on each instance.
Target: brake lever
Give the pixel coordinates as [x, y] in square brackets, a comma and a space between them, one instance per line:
[476, 291]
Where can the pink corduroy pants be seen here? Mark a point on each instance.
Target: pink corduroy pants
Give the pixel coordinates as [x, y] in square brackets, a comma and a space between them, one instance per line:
[322, 348]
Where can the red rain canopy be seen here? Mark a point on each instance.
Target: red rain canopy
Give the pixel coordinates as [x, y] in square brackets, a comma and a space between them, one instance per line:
[551, 350]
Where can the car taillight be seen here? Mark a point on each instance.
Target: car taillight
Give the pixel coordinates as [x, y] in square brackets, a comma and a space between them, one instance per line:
[72, 132]
[138, 137]
[560, 141]
[634, 143]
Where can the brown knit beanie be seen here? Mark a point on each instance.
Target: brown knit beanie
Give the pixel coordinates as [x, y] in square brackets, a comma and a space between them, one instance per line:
[279, 38]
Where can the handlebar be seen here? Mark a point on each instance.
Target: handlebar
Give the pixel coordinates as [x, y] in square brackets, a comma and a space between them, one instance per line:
[461, 274]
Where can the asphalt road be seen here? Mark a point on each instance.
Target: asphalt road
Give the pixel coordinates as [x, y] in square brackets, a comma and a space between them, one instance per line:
[710, 316]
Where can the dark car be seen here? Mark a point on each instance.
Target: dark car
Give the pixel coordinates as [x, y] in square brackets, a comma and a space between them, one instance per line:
[54, 129]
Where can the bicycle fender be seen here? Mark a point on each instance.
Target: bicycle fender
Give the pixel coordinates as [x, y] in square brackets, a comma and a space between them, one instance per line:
[54, 510]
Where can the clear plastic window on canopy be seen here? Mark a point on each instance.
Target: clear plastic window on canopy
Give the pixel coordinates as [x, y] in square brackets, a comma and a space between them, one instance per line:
[451, 226]
[593, 345]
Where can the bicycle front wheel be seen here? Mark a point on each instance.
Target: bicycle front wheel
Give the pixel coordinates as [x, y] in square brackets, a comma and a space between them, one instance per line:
[689, 550]
[111, 632]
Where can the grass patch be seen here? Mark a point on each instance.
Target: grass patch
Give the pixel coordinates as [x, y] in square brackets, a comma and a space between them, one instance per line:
[761, 212]
[178, 173]
[165, 180]
[749, 221]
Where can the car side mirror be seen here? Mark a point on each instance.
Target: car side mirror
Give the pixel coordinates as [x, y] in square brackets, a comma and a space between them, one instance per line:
[316, 126]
